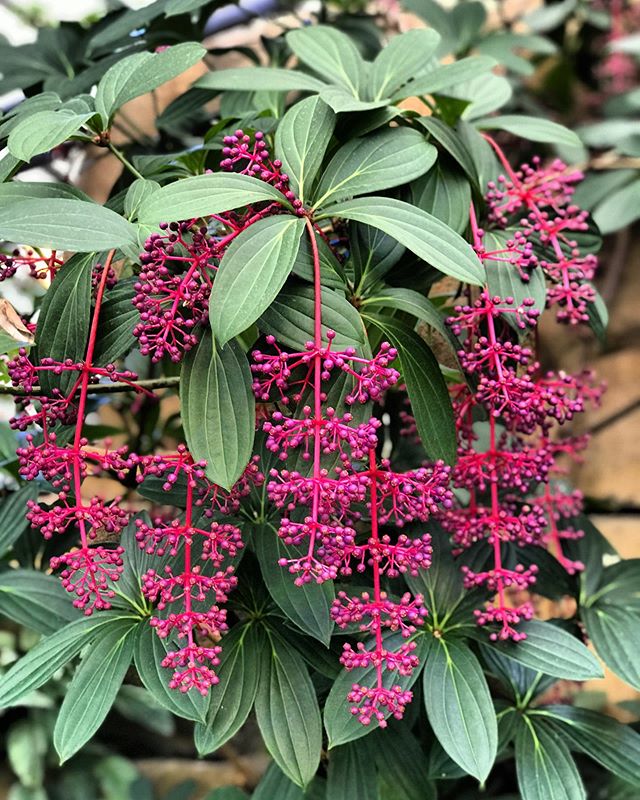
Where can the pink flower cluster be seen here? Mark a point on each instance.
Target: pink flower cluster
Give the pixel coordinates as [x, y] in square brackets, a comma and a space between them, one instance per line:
[90, 569]
[512, 498]
[188, 600]
[345, 489]
[179, 265]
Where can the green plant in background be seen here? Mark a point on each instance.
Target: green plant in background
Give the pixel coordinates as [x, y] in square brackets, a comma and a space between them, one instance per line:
[340, 531]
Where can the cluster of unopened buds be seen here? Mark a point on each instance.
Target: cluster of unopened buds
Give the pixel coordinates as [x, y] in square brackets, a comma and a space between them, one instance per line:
[509, 480]
[344, 487]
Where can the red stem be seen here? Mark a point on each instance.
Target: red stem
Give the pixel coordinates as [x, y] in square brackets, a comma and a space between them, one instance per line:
[84, 386]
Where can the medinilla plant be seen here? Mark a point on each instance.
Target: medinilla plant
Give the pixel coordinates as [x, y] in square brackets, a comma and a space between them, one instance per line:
[284, 445]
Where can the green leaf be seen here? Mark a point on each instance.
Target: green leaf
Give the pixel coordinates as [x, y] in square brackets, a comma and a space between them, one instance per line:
[444, 193]
[330, 53]
[65, 224]
[63, 324]
[426, 388]
[256, 79]
[218, 409]
[331, 272]
[342, 101]
[35, 600]
[13, 521]
[51, 653]
[341, 725]
[426, 236]
[619, 209]
[36, 190]
[553, 651]
[118, 317]
[379, 161]
[619, 585]
[302, 138]
[613, 745]
[203, 195]
[44, 130]
[233, 697]
[401, 762]
[149, 651]
[252, 272]
[446, 76]
[409, 301]
[598, 316]
[613, 632]
[453, 143]
[485, 94]
[350, 775]
[290, 318]
[287, 712]
[400, 60]
[93, 689]
[545, 768]
[460, 708]
[373, 254]
[139, 191]
[140, 73]
[536, 129]
[307, 606]
[275, 784]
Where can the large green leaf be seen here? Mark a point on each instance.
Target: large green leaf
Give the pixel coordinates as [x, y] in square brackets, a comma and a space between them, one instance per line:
[619, 209]
[426, 236]
[36, 190]
[65, 224]
[93, 689]
[401, 762]
[545, 768]
[51, 653]
[251, 273]
[259, 79]
[40, 132]
[290, 318]
[427, 390]
[613, 631]
[203, 195]
[398, 62]
[619, 585]
[302, 138]
[218, 409]
[446, 76]
[350, 775]
[330, 53]
[341, 725]
[118, 317]
[140, 73]
[459, 707]
[553, 651]
[536, 129]
[275, 784]
[63, 324]
[602, 738]
[453, 143]
[308, 605]
[288, 714]
[444, 193]
[233, 697]
[12, 515]
[379, 161]
[35, 600]
[149, 652]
